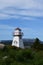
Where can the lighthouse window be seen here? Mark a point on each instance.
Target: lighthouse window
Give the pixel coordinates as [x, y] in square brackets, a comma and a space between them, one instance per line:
[15, 42]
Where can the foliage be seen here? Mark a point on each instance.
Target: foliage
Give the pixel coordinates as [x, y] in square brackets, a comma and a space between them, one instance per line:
[36, 44]
[17, 56]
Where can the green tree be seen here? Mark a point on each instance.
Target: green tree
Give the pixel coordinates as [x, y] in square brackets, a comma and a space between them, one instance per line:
[36, 44]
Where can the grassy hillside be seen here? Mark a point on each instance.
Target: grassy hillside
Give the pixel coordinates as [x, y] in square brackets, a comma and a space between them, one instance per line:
[16, 56]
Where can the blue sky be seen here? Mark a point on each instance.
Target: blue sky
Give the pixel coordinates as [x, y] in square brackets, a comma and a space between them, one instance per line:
[26, 14]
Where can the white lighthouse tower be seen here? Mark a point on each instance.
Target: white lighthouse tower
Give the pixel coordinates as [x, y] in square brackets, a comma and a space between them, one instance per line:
[17, 38]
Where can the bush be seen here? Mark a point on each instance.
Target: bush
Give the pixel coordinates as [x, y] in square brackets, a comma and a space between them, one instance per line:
[17, 56]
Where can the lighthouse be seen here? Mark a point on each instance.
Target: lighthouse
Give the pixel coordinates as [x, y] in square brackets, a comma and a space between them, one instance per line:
[17, 38]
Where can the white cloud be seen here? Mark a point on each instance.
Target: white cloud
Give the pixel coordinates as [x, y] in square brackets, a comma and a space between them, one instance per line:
[3, 16]
[21, 8]
[22, 3]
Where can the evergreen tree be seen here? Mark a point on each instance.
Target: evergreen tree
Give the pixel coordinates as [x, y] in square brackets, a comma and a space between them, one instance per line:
[36, 44]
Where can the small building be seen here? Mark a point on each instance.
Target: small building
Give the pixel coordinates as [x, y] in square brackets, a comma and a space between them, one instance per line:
[2, 46]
